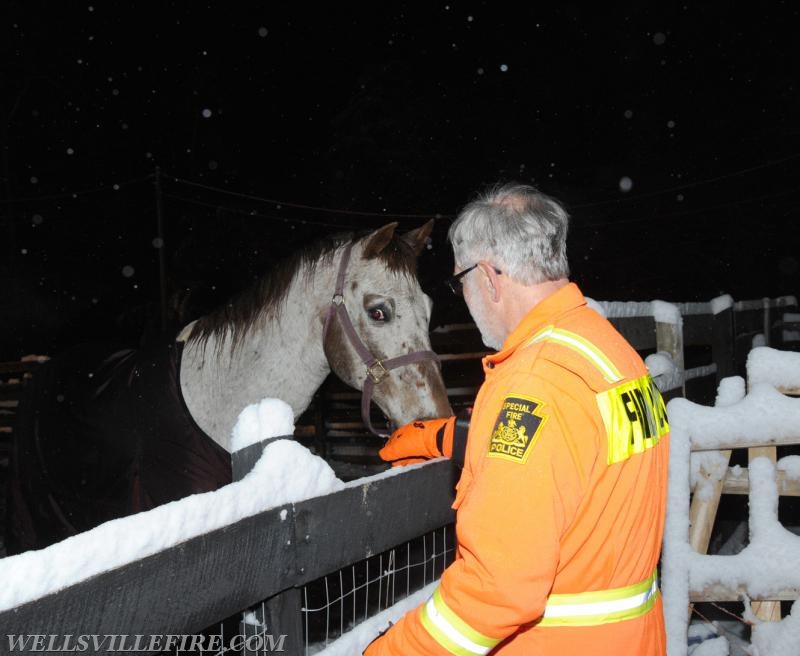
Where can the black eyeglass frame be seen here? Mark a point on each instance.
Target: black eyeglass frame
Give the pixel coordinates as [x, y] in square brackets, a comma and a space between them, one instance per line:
[455, 284]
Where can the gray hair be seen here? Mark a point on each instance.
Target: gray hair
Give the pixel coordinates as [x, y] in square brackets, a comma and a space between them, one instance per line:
[518, 229]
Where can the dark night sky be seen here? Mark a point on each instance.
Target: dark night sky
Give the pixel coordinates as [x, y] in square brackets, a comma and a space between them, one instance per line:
[380, 109]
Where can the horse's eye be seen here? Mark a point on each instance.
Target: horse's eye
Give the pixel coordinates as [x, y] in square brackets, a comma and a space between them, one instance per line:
[379, 313]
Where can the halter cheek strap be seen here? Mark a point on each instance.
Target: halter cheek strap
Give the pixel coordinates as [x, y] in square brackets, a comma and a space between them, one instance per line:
[377, 369]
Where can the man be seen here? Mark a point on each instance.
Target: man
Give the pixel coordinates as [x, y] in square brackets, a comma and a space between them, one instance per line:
[561, 501]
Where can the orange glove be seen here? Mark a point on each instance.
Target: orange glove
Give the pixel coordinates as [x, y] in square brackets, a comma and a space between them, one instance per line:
[419, 441]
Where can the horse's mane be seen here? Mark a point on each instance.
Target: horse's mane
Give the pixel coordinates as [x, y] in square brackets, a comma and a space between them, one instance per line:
[265, 297]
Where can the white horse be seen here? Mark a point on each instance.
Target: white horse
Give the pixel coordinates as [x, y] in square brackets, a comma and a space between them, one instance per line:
[280, 339]
[112, 434]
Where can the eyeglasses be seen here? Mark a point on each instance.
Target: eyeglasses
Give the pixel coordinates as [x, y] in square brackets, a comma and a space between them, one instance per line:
[455, 283]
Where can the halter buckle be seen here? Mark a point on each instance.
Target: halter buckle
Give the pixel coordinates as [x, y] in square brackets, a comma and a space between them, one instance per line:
[337, 299]
[377, 371]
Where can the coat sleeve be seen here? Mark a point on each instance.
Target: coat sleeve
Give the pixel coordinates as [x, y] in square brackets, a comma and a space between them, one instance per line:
[509, 525]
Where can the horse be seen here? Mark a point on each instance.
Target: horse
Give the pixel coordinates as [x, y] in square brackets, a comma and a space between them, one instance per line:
[105, 435]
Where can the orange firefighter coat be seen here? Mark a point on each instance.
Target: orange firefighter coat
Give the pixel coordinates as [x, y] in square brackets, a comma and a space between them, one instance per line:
[561, 503]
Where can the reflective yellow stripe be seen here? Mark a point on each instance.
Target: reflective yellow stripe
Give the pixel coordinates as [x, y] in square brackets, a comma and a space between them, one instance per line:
[582, 346]
[601, 606]
[450, 631]
[634, 417]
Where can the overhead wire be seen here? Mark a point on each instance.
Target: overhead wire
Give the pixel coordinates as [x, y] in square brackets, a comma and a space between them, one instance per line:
[427, 215]
[315, 208]
[76, 194]
[244, 212]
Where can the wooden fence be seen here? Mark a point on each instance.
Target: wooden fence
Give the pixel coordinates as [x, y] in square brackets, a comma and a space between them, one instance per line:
[208, 578]
[707, 341]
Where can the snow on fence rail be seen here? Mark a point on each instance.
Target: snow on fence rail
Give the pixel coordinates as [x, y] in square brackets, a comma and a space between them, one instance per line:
[197, 580]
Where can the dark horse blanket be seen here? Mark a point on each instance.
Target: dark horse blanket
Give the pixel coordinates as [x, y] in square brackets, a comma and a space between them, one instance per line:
[102, 436]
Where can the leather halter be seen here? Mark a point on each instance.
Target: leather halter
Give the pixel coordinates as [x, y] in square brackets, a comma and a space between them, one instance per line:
[377, 369]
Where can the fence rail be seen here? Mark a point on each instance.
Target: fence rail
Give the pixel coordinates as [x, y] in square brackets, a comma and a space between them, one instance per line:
[196, 583]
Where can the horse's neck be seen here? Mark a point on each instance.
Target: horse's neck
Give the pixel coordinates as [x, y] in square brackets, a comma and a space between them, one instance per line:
[279, 357]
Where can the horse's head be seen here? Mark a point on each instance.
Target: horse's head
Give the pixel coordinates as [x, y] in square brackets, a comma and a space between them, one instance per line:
[379, 296]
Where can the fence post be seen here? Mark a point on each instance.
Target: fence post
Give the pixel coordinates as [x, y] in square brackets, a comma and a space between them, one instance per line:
[767, 328]
[722, 343]
[669, 338]
[275, 623]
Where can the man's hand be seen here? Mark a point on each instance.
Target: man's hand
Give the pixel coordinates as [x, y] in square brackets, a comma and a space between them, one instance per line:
[419, 441]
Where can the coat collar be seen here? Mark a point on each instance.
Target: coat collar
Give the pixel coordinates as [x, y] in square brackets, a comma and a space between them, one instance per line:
[567, 298]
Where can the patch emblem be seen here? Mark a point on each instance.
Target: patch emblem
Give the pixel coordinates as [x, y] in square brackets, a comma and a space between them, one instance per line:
[516, 428]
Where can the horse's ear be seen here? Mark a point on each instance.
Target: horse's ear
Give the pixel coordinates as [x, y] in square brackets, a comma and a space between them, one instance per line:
[419, 238]
[379, 239]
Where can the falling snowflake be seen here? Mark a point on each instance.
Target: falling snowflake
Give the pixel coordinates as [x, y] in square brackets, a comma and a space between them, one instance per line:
[659, 38]
[128, 271]
[206, 113]
[625, 184]
[262, 32]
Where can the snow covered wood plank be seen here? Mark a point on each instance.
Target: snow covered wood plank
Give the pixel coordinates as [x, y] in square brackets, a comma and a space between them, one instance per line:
[364, 520]
[190, 586]
[737, 481]
[722, 592]
[180, 590]
[745, 442]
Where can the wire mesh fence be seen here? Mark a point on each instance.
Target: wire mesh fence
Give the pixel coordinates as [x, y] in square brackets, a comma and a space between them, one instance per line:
[337, 602]
[334, 604]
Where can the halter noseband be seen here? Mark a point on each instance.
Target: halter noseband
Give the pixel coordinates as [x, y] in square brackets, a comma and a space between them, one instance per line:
[377, 369]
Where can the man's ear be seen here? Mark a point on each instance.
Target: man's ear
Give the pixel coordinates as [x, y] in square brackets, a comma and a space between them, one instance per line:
[491, 280]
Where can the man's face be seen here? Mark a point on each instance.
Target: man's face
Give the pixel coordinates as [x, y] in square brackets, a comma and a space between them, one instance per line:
[476, 295]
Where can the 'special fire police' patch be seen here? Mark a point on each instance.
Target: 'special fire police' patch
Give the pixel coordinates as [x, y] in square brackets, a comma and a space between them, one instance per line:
[516, 428]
